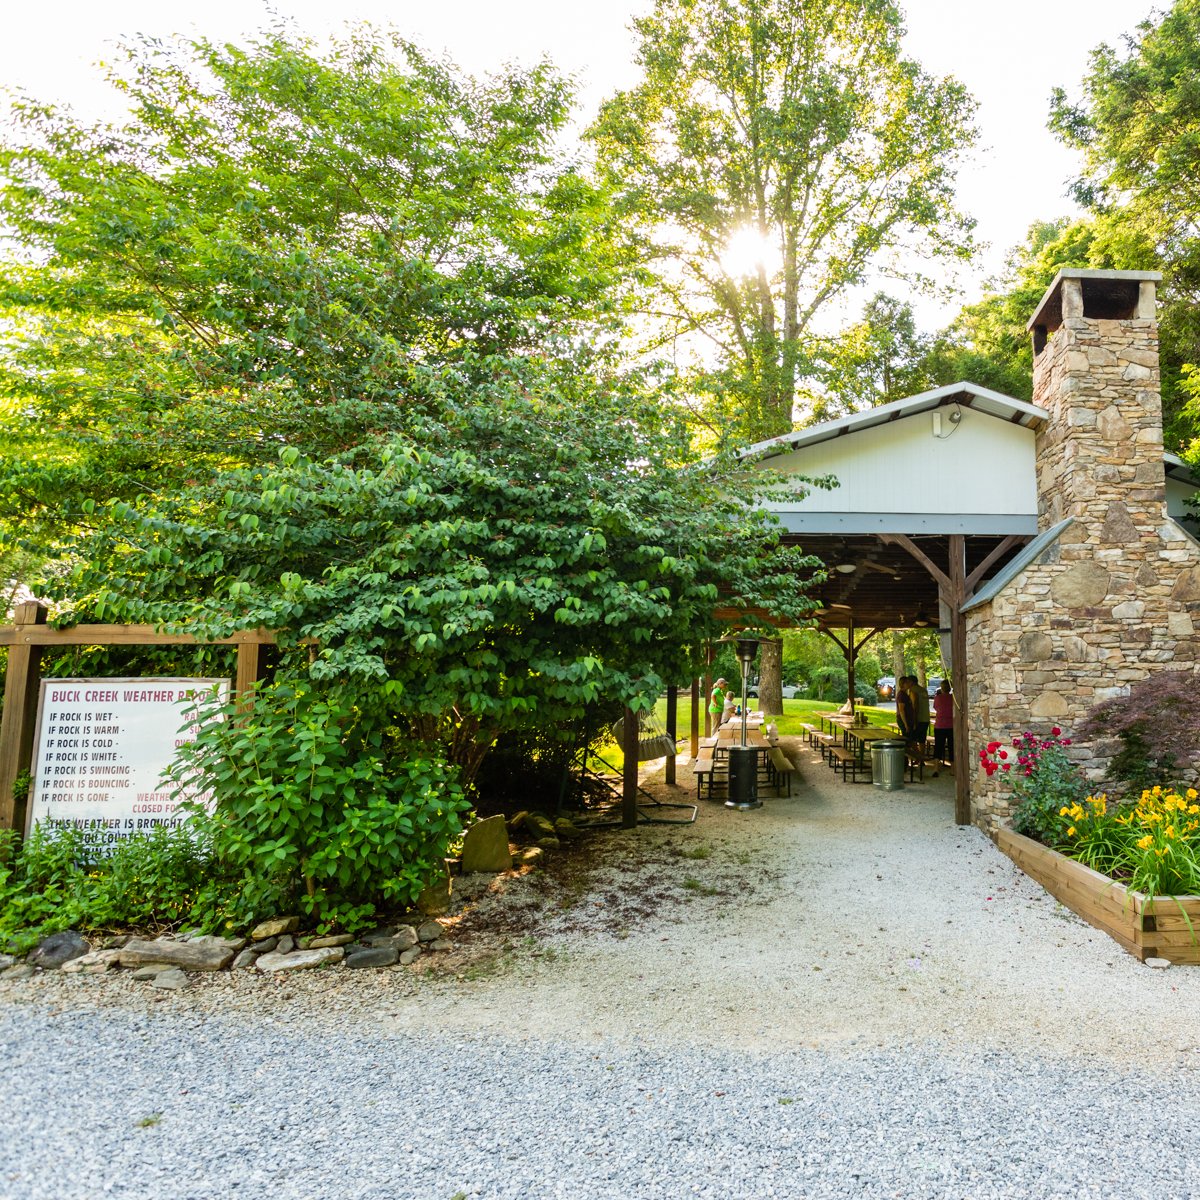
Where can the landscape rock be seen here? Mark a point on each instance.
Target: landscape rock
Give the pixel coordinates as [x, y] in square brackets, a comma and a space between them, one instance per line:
[566, 829]
[172, 980]
[59, 948]
[265, 946]
[149, 972]
[247, 958]
[410, 956]
[406, 937]
[300, 960]
[372, 956]
[18, 972]
[441, 943]
[436, 897]
[331, 939]
[531, 856]
[539, 825]
[1160, 964]
[273, 928]
[6, 961]
[429, 931]
[202, 954]
[95, 962]
[549, 843]
[286, 945]
[485, 847]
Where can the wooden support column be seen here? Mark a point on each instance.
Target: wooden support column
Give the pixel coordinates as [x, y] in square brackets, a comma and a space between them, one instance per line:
[851, 659]
[958, 669]
[695, 741]
[629, 773]
[952, 591]
[20, 713]
[672, 722]
[708, 683]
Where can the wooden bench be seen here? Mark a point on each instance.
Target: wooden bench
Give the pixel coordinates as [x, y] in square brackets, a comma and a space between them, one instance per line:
[810, 732]
[824, 743]
[702, 768]
[846, 761]
[781, 769]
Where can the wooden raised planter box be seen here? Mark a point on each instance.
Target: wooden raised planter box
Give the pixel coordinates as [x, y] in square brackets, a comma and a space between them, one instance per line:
[1165, 927]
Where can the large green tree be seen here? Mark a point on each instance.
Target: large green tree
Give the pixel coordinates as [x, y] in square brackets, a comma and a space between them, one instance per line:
[276, 246]
[1137, 126]
[774, 152]
[536, 546]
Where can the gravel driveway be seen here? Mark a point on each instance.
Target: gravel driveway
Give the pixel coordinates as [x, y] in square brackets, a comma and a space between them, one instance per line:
[842, 994]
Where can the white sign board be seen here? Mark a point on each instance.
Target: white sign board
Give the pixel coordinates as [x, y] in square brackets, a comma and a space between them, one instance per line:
[101, 748]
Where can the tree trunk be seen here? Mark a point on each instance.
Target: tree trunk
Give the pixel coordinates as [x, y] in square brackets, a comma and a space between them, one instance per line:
[898, 654]
[770, 677]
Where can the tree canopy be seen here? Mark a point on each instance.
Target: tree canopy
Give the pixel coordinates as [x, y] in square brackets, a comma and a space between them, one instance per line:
[277, 246]
[775, 151]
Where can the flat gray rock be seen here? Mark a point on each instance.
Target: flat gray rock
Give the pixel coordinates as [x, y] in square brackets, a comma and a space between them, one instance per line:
[59, 948]
[330, 939]
[201, 954]
[405, 938]
[410, 956]
[149, 972]
[300, 960]
[95, 962]
[19, 971]
[1160, 964]
[430, 931]
[247, 958]
[6, 961]
[372, 956]
[172, 980]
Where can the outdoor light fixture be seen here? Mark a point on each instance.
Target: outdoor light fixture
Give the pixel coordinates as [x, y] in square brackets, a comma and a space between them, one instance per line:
[921, 620]
[743, 759]
[846, 568]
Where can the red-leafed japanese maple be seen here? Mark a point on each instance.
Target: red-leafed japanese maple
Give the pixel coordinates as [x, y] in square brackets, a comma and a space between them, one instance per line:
[1157, 725]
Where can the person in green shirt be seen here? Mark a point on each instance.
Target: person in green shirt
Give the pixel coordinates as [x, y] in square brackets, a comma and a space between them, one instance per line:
[716, 703]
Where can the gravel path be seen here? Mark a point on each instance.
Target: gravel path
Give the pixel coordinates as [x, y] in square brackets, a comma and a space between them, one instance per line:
[843, 994]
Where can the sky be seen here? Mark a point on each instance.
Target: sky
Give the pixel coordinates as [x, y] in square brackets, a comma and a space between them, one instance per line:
[1008, 55]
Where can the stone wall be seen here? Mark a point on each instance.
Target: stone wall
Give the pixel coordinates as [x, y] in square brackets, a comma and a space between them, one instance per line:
[1117, 595]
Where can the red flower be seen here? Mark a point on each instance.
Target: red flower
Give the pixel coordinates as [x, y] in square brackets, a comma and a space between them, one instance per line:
[1006, 767]
[1055, 731]
[993, 747]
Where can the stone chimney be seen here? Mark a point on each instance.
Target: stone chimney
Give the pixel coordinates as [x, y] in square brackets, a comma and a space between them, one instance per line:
[1100, 455]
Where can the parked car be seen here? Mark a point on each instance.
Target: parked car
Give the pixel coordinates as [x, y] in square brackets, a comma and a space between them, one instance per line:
[886, 687]
[933, 685]
[790, 692]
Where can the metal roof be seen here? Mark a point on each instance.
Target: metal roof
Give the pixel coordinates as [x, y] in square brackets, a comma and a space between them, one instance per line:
[966, 395]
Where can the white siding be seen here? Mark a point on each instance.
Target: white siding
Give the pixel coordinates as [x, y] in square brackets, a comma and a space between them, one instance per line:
[985, 465]
[1178, 493]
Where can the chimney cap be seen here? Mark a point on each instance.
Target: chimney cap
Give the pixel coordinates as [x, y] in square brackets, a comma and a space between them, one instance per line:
[1048, 314]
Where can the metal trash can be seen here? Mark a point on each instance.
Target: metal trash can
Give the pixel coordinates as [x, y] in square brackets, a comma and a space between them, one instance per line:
[888, 760]
[743, 778]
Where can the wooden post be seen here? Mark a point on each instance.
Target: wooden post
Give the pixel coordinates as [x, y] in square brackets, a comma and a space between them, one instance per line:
[708, 683]
[695, 745]
[672, 722]
[629, 773]
[958, 667]
[248, 655]
[851, 659]
[20, 714]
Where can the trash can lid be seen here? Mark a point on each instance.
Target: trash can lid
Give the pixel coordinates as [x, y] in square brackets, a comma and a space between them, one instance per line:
[888, 744]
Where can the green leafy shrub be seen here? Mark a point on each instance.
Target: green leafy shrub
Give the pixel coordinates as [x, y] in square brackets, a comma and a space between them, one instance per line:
[319, 804]
[58, 879]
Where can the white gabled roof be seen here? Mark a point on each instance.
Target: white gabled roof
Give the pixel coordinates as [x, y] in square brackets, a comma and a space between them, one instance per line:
[968, 395]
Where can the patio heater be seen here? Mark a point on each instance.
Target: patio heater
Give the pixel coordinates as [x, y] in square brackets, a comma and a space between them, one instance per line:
[743, 759]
